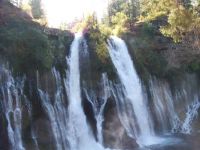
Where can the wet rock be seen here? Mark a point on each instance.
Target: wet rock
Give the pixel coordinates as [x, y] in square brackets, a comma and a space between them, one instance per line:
[115, 136]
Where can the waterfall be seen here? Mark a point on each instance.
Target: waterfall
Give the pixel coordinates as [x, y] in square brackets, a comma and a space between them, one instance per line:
[81, 137]
[69, 126]
[98, 104]
[164, 106]
[192, 112]
[57, 113]
[57, 116]
[169, 108]
[12, 96]
[132, 91]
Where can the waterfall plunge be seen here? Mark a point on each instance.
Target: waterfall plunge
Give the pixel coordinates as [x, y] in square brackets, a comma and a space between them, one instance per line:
[69, 125]
[132, 91]
[81, 137]
[98, 105]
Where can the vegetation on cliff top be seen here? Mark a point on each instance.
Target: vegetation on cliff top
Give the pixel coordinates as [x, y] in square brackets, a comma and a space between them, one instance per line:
[182, 16]
[26, 45]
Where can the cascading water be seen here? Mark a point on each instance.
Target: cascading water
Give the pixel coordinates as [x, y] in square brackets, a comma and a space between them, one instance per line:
[12, 95]
[173, 111]
[124, 111]
[80, 137]
[69, 125]
[192, 112]
[57, 113]
[98, 105]
[132, 91]
[165, 106]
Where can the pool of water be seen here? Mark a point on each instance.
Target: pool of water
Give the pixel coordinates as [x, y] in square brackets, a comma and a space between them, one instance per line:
[176, 142]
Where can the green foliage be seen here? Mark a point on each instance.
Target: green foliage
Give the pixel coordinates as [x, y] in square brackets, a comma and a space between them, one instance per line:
[119, 22]
[26, 48]
[153, 61]
[180, 21]
[127, 7]
[148, 30]
[182, 17]
[194, 66]
[145, 51]
[59, 47]
[151, 9]
[97, 37]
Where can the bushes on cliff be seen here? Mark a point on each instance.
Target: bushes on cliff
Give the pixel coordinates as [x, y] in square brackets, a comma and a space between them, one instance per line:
[59, 46]
[145, 47]
[151, 61]
[25, 48]
[194, 67]
[96, 35]
[25, 45]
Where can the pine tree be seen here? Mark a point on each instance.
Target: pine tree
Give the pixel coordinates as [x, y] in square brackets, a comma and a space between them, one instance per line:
[37, 10]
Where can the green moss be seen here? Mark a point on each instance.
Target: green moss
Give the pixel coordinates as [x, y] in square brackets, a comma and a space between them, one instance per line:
[193, 67]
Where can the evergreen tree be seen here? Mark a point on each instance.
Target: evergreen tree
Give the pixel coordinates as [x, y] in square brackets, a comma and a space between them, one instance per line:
[37, 10]
[130, 8]
[182, 17]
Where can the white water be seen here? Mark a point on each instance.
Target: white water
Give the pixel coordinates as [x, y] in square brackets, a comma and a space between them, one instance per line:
[57, 116]
[192, 113]
[124, 110]
[69, 126]
[12, 92]
[98, 105]
[164, 106]
[132, 91]
[57, 113]
[80, 136]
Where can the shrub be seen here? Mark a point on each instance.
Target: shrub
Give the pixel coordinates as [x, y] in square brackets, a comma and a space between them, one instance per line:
[25, 48]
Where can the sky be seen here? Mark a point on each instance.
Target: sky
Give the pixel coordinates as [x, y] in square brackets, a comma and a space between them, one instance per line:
[60, 11]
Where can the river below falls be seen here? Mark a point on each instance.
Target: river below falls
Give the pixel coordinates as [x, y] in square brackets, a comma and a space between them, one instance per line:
[177, 142]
